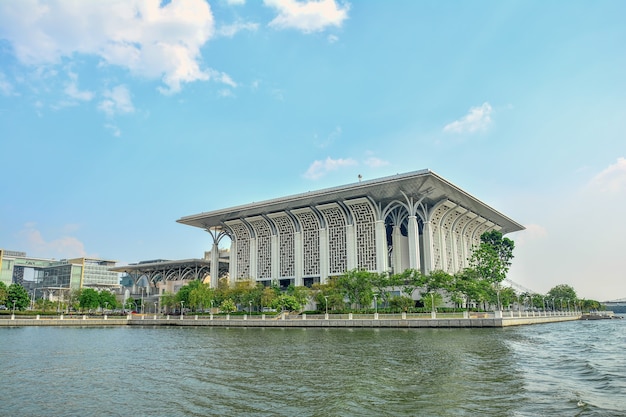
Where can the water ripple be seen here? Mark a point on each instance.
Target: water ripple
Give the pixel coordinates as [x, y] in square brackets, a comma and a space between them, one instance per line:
[561, 369]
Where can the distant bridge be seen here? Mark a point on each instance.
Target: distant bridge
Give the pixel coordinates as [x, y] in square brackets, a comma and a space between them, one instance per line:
[519, 287]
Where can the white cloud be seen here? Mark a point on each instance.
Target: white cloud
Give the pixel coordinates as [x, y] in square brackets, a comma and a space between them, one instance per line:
[62, 247]
[477, 119]
[320, 168]
[114, 129]
[146, 38]
[236, 2]
[374, 162]
[71, 89]
[231, 30]
[613, 179]
[117, 101]
[226, 93]
[278, 94]
[531, 233]
[330, 139]
[223, 78]
[308, 16]
[6, 88]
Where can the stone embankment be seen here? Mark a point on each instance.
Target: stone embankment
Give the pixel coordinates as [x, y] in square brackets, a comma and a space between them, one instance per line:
[302, 320]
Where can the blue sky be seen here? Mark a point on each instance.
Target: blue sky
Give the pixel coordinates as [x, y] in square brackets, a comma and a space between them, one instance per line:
[119, 117]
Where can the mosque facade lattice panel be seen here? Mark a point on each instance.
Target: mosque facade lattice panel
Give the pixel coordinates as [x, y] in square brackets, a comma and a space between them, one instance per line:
[336, 225]
[437, 241]
[468, 233]
[264, 248]
[286, 230]
[242, 238]
[310, 226]
[364, 219]
[460, 243]
[448, 236]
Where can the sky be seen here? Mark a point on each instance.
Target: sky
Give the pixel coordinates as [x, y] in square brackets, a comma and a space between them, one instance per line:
[119, 117]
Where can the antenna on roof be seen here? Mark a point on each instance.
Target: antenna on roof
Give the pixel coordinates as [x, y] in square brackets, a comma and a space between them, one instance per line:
[360, 177]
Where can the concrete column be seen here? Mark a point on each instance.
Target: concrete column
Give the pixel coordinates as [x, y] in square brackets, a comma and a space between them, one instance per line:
[275, 253]
[382, 261]
[414, 247]
[254, 256]
[428, 247]
[351, 255]
[298, 258]
[232, 264]
[215, 264]
[396, 243]
[324, 265]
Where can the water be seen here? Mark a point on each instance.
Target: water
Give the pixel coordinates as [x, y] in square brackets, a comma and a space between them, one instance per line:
[559, 369]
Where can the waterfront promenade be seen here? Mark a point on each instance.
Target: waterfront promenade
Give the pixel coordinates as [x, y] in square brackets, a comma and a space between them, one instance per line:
[441, 320]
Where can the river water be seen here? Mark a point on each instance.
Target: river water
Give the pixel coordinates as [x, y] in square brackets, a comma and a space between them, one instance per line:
[558, 369]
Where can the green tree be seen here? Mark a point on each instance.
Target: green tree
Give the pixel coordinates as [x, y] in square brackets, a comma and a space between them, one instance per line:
[401, 303]
[286, 302]
[168, 300]
[268, 295]
[468, 283]
[3, 294]
[184, 293]
[507, 296]
[328, 295]
[301, 294]
[409, 280]
[130, 304]
[560, 295]
[381, 284]
[492, 259]
[591, 305]
[106, 299]
[228, 306]
[432, 300]
[45, 305]
[201, 296]
[74, 299]
[17, 297]
[356, 285]
[89, 299]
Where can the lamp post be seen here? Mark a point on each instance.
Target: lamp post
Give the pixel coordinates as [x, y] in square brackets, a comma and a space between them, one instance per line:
[498, 295]
[106, 305]
[155, 307]
[432, 305]
[14, 307]
[250, 308]
[182, 304]
[326, 299]
[376, 303]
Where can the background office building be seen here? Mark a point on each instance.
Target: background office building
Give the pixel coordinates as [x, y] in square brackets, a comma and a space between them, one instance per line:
[48, 278]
